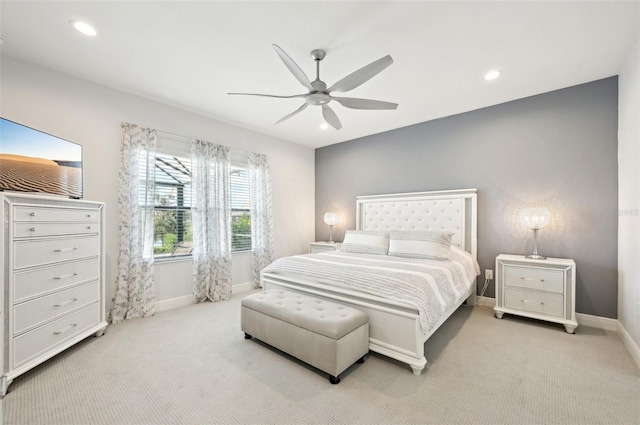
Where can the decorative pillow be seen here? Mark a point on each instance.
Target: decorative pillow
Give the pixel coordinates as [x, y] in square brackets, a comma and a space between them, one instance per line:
[364, 242]
[430, 244]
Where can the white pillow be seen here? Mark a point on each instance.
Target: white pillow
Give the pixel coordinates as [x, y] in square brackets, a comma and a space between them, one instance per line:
[364, 242]
[430, 244]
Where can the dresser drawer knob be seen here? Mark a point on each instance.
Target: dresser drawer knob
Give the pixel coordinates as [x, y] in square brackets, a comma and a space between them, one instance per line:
[532, 302]
[32, 229]
[88, 227]
[65, 276]
[32, 214]
[88, 215]
[63, 330]
[63, 303]
[531, 279]
[65, 249]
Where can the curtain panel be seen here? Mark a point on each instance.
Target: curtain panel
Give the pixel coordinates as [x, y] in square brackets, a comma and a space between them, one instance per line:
[134, 292]
[261, 214]
[211, 216]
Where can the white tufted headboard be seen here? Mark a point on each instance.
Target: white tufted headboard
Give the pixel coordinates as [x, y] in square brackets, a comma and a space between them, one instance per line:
[448, 210]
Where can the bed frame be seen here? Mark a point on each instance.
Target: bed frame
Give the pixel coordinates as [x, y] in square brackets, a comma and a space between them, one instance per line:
[394, 327]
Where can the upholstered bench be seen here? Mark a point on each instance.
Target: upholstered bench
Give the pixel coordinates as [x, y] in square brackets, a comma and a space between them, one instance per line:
[324, 334]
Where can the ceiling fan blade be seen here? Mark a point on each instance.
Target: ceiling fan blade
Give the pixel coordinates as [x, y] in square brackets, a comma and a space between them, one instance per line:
[354, 103]
[330, 117]
[300, 109]
[268, 95]
[362, 75]
[293, 67]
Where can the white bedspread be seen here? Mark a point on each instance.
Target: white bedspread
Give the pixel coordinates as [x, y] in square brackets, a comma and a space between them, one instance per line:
[431, 286]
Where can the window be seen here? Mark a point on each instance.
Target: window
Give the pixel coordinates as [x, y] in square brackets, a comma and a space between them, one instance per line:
[240, 209]
[173, 232]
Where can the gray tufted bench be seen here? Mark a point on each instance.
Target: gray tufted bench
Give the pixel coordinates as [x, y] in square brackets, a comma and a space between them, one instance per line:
[324, 334]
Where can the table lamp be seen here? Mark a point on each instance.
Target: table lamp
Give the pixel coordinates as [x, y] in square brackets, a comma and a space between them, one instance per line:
[535, 218]
[330, 218]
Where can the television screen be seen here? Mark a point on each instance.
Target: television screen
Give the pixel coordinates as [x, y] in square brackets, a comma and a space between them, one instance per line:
[33, 161]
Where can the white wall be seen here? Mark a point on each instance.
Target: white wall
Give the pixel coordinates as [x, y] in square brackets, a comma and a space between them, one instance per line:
[90, 114]
[629, 196]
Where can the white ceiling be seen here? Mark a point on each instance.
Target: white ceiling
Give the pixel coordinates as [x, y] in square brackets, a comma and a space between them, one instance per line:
[190, 54]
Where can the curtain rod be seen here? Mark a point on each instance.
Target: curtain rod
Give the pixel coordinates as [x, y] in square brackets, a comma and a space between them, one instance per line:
[186, 138]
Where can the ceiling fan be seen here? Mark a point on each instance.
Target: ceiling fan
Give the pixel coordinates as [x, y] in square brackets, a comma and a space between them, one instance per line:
[320, 95]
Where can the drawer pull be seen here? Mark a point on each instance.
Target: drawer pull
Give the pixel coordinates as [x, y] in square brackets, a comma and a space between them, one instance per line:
[63, 330]
[32, 214]
[532, 302]
[33, 229]
[88, 227]
[65, 276]
[532, 279]
[63, 303]
[65, 249]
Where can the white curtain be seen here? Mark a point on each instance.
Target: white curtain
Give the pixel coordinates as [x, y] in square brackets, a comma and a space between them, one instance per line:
[134, 292]
[211, 215]
[261, 214]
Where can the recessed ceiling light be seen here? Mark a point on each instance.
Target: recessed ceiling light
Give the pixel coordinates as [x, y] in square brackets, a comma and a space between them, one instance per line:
[491, 75]
[324, 126]
[84, 28]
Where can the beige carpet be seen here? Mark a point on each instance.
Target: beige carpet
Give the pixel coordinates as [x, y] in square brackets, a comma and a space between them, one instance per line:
[192, 366]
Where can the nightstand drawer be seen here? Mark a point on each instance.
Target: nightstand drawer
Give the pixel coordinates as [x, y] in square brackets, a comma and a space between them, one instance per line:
[532, 301]
[534, 278]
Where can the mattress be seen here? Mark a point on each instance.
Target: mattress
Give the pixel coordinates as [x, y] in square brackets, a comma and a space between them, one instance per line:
[431, 286]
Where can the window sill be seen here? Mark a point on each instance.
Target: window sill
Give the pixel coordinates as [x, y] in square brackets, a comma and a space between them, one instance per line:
[180, 258]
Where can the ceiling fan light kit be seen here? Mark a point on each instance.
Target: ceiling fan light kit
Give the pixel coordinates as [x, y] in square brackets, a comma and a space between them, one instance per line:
[320, 95]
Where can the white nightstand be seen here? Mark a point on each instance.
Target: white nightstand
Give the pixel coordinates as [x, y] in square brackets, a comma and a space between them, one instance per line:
[317, 247]
[540, 289]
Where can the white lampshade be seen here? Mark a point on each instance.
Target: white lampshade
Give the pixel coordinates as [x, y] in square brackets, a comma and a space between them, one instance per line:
[535, 217]
[330, 218]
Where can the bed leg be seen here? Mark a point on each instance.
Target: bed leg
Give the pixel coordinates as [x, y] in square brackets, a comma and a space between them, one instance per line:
[471, 300]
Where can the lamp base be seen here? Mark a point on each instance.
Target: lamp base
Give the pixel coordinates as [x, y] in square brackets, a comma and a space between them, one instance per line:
[536, 257]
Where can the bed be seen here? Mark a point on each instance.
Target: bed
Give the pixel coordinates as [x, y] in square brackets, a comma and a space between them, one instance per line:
[397, 327]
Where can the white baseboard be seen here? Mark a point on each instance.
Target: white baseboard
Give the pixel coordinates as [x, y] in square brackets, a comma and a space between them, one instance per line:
[597, 322]
[485, 301]
[631, 345]
[188, 299]
[174, 303]
[243, 287]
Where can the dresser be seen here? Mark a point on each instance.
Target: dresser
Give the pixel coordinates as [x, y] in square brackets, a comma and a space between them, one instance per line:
[53, 273]
[539, 289]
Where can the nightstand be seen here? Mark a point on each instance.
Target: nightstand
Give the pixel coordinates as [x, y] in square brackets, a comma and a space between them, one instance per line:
[539, 289]
[317, 247]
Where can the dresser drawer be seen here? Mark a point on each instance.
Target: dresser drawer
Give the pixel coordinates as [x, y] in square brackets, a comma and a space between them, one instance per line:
[43, 309]
[35, 282]
[40, 340]
[50, 251]
[21, 230]
[534, 278]
[30, 214]
[533, 301]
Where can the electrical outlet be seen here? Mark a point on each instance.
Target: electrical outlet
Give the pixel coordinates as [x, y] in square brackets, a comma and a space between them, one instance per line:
[488, 274]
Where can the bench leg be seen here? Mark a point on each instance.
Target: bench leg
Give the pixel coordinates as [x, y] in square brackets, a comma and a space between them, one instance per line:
[361, 359]
[247, 336]
[334, 380]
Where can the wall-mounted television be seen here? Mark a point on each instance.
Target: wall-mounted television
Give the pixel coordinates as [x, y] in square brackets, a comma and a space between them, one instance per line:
[34, 161]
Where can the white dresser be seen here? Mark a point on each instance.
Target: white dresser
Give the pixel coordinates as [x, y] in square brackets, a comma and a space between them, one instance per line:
[53, 273]
[540, 289]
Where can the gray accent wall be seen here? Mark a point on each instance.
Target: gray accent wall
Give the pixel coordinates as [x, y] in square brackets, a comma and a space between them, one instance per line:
[557, 149]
